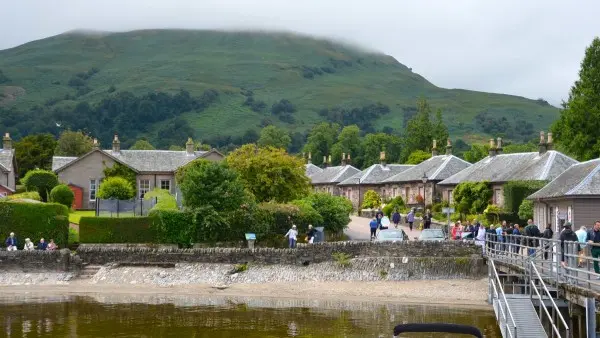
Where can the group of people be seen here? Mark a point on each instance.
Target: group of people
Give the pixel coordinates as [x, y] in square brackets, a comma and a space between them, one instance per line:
[292, 236]
[12, 244]
[380, 222]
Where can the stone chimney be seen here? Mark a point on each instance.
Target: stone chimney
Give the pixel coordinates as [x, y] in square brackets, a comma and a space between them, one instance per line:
[324, 161]
[449, 147]
[499, 146]
[329, 160]
[189, 147]
[116, 145]
[542, 145]
[492, 151]
[348, 160]
[7, 142]
[549, 144]
[95, 144]
[434, 151]
[382, 158]
[309, 157]
[343, 159]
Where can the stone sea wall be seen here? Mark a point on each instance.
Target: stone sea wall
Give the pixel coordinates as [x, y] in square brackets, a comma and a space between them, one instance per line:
[38, 261]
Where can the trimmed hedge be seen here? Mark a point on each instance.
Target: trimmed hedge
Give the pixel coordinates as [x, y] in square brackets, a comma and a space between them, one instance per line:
[516, 191]
[116, 230]
[62, 194]
[34, 220]
[41, 181]
[173, 226]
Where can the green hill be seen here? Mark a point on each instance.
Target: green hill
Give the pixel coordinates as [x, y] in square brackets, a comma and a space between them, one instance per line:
[166, 84]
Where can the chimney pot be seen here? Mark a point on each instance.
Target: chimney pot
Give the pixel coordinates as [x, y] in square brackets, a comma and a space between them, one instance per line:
[348, 158]
[449, 147]
[309, 157]
[189, 146]
[543, 146]
[499, 145]
[434, 151]
[116, 145]
[329, 159]
[492, 151]
[344, 159]
[549, 143]
[6, 142]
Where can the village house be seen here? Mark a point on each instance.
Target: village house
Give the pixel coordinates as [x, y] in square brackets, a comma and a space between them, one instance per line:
[372, 178]
[310, 168]
[498, 168]
[573, 196]
[422, 179]
[327, 180]
[8, 167]
[154, 169]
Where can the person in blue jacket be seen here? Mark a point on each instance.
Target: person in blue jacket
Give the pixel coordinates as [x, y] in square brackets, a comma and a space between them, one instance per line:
[374, 225]
[11, 242]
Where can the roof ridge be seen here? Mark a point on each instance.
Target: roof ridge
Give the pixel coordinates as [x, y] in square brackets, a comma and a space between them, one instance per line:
[548, 165]
[368, 172]
[339, 174]
[584, 181]
[439, 169]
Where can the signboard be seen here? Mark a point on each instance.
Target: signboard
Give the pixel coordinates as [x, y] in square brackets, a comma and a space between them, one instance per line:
[448, 210]
[250, 237]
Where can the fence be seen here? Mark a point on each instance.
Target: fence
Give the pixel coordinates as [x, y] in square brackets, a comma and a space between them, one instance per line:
[124, 208]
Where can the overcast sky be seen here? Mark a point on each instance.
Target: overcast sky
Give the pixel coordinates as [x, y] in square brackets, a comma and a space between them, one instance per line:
[530, 48]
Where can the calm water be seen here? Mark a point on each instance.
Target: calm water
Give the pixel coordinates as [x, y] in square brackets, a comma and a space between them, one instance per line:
[184, 316]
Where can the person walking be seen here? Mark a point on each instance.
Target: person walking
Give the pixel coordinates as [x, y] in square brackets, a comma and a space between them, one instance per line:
[292, 236]
[500, 237]
[548, 234]
[373, 225]
[516, 240]
[396, 218]
[567, 235]
[28, 245]
[581, 237]
[427, 217]
[480, 238]
[593, 238]
[533, 233]
[310, 235]
[410, 218]
[11, 242]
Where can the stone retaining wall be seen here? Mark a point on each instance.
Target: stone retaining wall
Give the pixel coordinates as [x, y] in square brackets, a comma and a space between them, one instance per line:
[315, 253]
[38, 261]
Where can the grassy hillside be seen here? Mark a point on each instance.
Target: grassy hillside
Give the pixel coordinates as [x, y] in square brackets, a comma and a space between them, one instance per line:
[311, 74]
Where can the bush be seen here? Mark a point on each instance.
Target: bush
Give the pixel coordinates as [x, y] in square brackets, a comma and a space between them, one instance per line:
[35, 220]
[41, 181]
[371, 200]
[334, 210]
[174, 227]
[472, 197]
[117, 188]
[526, 209]
[31, 195]
[73, 236]
[396, 203]
[516, 191]
[492, 213]
[116, 230]
[164, 200]
[62, 194]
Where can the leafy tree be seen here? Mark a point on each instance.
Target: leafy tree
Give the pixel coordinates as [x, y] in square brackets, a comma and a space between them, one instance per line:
[204, 183]
[348, 142]
[477, 153]
[418, 156]
[73, 143]
[142, 145]
[320, 141]
[271, 136]
[419, 130]
[577, 130]
[34, 151]
[123, 171]
[471, 197]
[371, 200]
[116, 187]
[335, 210]
[373, 144]
[526, 209]
[41, 181]
[439, 131]
[62, 194]
[519, 148]
[176, 148]
[270, 173]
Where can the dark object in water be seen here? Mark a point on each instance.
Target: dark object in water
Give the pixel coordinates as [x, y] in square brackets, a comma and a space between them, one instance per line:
[437, 327]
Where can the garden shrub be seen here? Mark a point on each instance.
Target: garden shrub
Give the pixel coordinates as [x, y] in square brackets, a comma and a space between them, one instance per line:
[396, 203]
[117, 188]
[62, 194]
[35, 220]
[516, 191]
[334, 210]
[164, 199]
[471, 197]
[116, 230]
[371, 200]
[41, 181]
[174, 227]
[73, 236]
[31, 195]
[526, 209]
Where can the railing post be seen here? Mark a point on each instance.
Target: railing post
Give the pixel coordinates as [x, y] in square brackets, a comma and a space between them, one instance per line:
[490, 281]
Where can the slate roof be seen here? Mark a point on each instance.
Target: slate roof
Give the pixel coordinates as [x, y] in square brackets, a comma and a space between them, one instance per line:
[6, 159]
[142, 160]
[311, 169]
[376, 174]
[511, 167]
[437, 168]
[582, 179]
[333, 175]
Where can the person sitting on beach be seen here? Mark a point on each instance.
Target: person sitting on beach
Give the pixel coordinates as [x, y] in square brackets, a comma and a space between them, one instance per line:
[292, 236]
[42, 245]
[28, 245]
[52, 246]
[11, 242]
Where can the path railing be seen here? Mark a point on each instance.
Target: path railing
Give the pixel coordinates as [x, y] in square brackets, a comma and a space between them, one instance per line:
[503, 313]
[556, 315]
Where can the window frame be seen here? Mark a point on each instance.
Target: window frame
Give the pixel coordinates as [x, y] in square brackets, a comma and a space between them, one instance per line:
[93, 182]
[168, 181]
[140, 188]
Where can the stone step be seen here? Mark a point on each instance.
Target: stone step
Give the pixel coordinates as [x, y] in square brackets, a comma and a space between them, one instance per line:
[89, 271]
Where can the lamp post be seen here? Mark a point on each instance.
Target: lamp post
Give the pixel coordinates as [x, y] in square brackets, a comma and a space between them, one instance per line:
[424, 179]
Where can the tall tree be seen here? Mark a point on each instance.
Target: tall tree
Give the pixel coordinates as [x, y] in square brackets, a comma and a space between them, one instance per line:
[348, 142]
[142, 145]
[271, 136]
[73, 143]
[477, 153]
[439, 131]
[420, 131]
[577, 131]
[418, 156]
[373, 144]
[34, 151]
[320, 141]
[270, 173]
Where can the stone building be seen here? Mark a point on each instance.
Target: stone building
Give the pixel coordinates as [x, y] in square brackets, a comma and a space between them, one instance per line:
[311, 169]
[154, 169]
[422, 179]
[327, 180]
[8, 167]
[372, 178]
[573, 196]
[498, 168]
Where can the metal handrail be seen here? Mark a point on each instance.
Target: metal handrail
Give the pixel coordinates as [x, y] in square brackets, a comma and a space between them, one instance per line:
[554, 306]
[501, 293]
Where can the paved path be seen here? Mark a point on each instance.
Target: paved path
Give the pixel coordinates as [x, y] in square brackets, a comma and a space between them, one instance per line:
[358, 229]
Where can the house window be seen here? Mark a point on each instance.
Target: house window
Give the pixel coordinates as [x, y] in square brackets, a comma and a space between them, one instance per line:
[165, 184]
[93, 189]
[144, 188]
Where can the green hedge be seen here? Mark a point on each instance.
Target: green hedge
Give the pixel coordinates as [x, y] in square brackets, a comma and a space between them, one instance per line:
[35, 220]
[173, 226]
[516, 191]
[116, 230]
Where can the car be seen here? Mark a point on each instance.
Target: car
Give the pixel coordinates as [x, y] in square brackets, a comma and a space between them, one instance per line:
[432, 235]
[391, 235]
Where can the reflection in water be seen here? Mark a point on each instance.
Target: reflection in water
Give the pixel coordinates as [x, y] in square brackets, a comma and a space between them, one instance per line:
[86, 317]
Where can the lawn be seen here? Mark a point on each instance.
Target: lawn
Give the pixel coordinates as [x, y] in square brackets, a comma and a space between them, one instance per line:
[75, 216]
